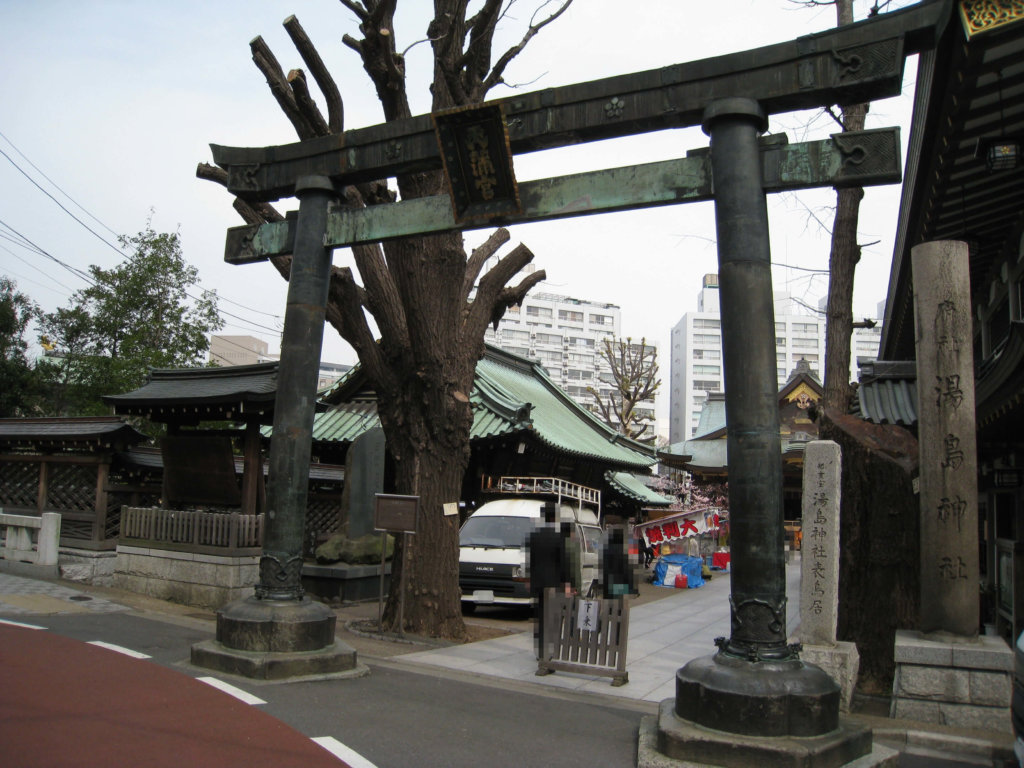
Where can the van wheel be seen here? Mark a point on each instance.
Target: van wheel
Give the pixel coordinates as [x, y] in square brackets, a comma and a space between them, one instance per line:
[468, 608]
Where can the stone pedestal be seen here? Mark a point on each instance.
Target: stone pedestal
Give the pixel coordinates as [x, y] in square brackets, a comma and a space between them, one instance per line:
[961, 682]
[841, 661]
[668, 741]
[276, 640]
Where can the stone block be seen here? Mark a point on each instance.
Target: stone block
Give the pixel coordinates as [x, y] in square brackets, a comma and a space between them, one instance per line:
[842, 663]
[130, 550]
[80, 572]
[982, 718]
[953, 715]
[916, 709]
[988, 653]
[933, 683]
[990, 689]
[913, 648]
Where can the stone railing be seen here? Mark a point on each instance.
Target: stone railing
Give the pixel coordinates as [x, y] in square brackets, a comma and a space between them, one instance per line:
[31, 539]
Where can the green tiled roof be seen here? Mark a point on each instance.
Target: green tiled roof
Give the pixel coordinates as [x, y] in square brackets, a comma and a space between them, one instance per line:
[511, 394]
[632, 487]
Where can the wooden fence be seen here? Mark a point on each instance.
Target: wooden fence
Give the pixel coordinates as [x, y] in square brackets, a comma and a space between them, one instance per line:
[216, 533]
[567, 646]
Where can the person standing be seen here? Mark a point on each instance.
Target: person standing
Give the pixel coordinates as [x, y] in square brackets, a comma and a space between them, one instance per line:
[618, 578]
[550, 566]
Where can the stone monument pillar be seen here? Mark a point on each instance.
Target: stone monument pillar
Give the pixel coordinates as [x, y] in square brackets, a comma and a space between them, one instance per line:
[946, 673]
[819, 570]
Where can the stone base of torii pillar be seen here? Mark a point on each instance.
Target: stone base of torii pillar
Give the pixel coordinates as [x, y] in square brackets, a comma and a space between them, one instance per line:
[667, 741]
[277, 640]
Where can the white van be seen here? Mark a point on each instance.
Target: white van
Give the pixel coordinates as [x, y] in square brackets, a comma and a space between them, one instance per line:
[493, 541]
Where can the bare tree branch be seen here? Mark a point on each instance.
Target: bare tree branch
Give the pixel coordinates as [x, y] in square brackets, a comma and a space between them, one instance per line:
[357, 8]
[498, 70]
[279, 87]
[324, 81]
[307, 107]
[479, 257]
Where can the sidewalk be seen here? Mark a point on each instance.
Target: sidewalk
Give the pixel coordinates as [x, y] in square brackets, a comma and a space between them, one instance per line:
[663, 635]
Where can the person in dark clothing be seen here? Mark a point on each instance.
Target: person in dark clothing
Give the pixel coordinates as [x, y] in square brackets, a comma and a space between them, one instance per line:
[550, 566]
[646, 552]
[616, 570]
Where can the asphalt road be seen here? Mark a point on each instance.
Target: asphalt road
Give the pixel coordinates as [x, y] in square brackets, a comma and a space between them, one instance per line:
[396, 717]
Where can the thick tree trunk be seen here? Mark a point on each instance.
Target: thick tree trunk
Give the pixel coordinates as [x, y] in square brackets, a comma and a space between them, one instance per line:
[427, 419]
[879, 581]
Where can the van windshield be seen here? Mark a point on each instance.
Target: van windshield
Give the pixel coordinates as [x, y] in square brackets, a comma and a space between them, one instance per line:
[495, 532]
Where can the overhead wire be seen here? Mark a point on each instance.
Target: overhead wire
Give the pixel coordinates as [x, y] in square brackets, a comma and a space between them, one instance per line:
[117, 249]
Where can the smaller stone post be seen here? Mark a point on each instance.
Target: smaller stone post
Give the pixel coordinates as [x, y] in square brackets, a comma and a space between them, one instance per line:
[819, 570]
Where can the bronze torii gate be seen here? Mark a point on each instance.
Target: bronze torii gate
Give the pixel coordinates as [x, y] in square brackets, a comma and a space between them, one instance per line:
[755, 684]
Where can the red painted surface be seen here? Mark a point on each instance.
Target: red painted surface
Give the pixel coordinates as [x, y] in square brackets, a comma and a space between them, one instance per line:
[68, 703]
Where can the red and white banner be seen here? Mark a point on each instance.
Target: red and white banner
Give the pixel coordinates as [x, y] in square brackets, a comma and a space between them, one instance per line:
[679, 526]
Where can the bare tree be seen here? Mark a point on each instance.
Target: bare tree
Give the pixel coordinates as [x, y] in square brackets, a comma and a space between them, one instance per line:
[431, 302]
[634, 379]
[842, 263]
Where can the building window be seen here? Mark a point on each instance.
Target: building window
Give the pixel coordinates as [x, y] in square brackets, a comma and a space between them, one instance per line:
[707, 370]
[780, 327]
[570, 316]
[804, 343]
[577, 375]
[601, 320]
[706, 322]
[780, 341]
[580, 341]
[707, 338]
[707, 354]
[804, 327]
[515, 335]
[538, 311]
[706, 385]
[549, 338]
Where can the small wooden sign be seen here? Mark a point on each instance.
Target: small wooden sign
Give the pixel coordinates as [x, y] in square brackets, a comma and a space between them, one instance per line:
[395, 513]
[477, 162]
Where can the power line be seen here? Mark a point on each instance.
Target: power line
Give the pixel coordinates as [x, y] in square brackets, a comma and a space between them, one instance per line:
[57, 186]
[117, 249]
[59, 205]
[73, 270]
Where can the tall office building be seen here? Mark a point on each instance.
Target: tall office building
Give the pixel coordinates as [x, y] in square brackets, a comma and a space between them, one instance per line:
[566, 335]
[696, 352]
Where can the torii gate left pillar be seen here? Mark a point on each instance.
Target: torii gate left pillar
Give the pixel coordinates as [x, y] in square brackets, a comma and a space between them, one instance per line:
[278, 632]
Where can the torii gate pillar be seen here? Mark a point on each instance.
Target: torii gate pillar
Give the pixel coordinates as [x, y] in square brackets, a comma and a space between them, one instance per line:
[755, 686]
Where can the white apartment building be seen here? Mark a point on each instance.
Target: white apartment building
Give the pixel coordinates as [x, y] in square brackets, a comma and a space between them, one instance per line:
[566, 335]
[249, 350]
[696, 352]
[238, 350]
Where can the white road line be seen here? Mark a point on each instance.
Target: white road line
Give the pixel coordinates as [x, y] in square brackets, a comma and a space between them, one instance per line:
[119, 649]
[349, 755]
[20, 624]
[238, 693]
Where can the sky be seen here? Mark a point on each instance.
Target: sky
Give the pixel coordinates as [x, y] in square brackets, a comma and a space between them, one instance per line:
[107, 108]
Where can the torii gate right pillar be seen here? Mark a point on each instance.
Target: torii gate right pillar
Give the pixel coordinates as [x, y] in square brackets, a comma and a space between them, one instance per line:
[755, 686]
